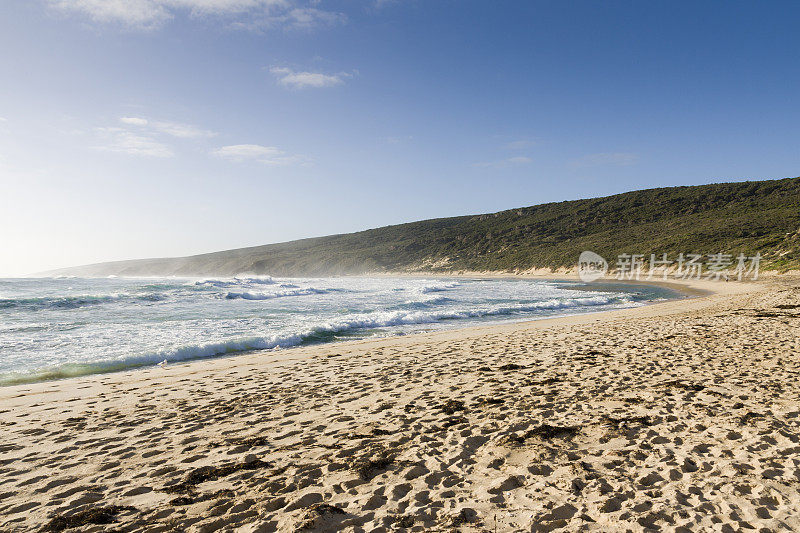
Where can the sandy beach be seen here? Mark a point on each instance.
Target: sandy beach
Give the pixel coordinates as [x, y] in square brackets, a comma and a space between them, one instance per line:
[679, 416]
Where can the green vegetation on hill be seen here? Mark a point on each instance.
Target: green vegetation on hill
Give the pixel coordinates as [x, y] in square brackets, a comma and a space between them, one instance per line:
[748, 217]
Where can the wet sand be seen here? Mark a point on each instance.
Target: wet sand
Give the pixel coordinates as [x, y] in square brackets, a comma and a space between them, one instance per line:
[680, 416]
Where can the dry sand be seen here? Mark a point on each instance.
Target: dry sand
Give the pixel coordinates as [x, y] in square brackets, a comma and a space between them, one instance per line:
[681, 416]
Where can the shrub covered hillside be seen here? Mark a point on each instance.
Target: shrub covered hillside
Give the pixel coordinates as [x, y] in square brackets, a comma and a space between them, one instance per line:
[749, 217]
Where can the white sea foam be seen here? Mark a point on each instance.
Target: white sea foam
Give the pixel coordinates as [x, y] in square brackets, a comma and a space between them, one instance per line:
[439, 287]
[236, 281]
[57, 329]
[276, 294]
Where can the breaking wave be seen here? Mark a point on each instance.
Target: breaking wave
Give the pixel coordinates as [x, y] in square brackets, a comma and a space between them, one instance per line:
[277, 294]
[235, 282]
[351, 326]
[124, 324]
[438, 287]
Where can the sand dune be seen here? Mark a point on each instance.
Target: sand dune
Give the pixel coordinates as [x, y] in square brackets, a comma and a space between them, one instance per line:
[680, 416]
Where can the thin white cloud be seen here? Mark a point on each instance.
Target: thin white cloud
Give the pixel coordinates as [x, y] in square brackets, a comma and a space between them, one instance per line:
[308, 18]
[3, 119]
[184, 131]
[134, 13]
[123, 141]
[508, 162]
[175, 129]
[247, 151]
[140, 136]
[135, 121]
[301, 80]
[268, 155]
[303, 19]
[620, 159]
[247, 14]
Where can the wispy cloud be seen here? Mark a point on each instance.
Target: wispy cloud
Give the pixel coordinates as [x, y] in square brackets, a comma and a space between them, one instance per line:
[123, 141]
[307, 18]
[508, 162]
[134, 13]
[301, 80]
[140, 136]
[620, 159]
[175, 129]
[298, 18]
[268, 155]
[3, 119]
[135, 121]
[247, 14]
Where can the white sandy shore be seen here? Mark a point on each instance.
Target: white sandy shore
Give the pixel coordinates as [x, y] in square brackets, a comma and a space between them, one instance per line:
[679, 416]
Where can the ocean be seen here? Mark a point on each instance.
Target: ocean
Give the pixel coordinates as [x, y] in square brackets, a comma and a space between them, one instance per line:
[53, 328]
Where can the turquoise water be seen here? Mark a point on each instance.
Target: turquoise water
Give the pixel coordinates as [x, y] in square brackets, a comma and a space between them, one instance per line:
[53, 328]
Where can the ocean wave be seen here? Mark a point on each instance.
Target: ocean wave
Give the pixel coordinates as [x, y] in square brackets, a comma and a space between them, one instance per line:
[177, 355]
[381, 319]
[349, 326]
[235, 281]
[429, 301]
[73, 302]
[439, 287]
[277, 294]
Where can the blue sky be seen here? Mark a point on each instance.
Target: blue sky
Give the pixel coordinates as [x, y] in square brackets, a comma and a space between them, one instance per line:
[142, 128]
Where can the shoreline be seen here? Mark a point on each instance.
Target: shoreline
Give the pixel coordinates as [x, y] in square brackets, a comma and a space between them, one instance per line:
[691, 289]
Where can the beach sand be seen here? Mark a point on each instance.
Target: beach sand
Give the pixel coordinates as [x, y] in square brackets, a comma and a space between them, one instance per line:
[680, 416]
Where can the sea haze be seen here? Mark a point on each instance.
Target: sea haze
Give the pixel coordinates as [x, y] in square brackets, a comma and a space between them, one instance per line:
[59, 327]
